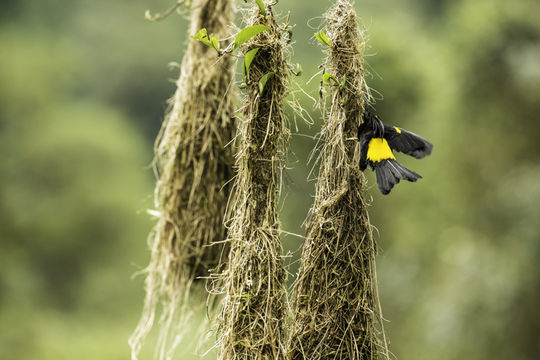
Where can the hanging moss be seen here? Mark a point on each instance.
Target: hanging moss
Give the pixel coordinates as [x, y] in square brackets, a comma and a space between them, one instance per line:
[193, 163]
[336, 311]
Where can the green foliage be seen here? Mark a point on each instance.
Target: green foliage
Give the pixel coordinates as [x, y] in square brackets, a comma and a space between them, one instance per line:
[215, 43]
[323, 39]
[242, 37]
[70, 190]
[264, 79]
[327, 77]
[247, 33]
[210, 41]
[248, 59]
[262, 9]
[202, 36]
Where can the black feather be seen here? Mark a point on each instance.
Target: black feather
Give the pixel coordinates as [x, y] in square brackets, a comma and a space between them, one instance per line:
[382, 180]
[364, 145]
[390, 172]
[407, 142]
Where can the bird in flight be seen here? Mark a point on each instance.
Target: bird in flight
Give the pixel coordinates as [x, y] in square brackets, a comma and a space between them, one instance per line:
[377, 142]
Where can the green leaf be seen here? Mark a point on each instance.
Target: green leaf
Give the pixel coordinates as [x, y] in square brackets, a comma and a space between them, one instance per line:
[321, 36]
[211, 41]
[248, 58]
[327, 77]
[343, 82]
[202, 36]
[215, 43]
[261, 7]
[264, 80]
[247, 33]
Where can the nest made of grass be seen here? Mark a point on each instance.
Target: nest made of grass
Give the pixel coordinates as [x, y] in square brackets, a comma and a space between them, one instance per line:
[255, 307]
[336, 311]
[193, 163]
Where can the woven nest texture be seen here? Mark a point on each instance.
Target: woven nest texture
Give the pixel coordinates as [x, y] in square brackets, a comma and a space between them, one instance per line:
[193, 163]
[254, 306]
[336, 312]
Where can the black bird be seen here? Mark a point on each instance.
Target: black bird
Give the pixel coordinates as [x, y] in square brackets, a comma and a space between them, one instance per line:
[376, 144]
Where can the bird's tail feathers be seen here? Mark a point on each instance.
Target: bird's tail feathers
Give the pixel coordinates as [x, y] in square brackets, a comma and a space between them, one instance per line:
[389, 172]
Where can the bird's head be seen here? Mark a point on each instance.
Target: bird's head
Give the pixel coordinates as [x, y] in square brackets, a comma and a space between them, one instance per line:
[371, 126]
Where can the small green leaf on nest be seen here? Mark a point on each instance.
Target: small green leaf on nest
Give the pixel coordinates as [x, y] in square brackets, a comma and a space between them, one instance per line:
[264, 80]
[327, 77]
[215, 43]
[202, 36]
[247, 33]
[321, 36]
[248, 58]
[210, 41]
[261, 7]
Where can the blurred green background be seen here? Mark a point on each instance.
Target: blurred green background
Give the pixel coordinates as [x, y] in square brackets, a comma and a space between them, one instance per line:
[83, 87]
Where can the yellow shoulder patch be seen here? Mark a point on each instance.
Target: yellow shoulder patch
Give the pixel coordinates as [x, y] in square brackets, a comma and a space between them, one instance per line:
[397, 129]
[378, 150]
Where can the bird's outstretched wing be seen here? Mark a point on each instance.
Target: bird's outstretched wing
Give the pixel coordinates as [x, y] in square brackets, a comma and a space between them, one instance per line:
[407, 142]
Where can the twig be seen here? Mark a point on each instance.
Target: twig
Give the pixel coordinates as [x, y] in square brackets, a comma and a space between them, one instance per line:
[159, 17]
